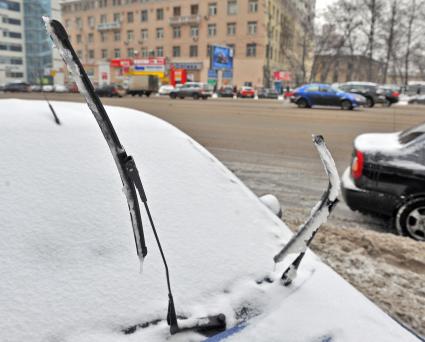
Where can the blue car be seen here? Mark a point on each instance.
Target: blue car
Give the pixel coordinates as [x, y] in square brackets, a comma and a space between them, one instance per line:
[324, 95]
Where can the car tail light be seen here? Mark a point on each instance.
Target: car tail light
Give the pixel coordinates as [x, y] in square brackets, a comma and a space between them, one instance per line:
[395, 94]
[357, 165]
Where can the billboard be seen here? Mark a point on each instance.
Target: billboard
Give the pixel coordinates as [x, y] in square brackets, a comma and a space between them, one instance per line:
[221, 57]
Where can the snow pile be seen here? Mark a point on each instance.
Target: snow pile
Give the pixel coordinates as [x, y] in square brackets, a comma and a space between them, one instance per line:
[68, 264]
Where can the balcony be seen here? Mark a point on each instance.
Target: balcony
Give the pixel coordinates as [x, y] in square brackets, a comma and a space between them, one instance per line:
[116, 25]
[185, 20]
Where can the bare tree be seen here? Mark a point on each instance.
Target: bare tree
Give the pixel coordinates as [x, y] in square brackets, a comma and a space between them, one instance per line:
[390, 35]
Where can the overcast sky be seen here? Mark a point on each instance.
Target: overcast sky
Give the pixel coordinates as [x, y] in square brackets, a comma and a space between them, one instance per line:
[321, 4]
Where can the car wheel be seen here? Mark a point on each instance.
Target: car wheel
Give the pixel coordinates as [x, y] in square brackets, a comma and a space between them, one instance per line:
[410, 219]
[369, 102]
[302, 103]
[387, 103]
[204, 97]
[148, 94]
[346, 105]
[195, 96]
[173, 95]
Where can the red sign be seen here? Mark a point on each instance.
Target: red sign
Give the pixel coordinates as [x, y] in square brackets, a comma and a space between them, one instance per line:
[121, 63]
[104, 76]
[282, 76]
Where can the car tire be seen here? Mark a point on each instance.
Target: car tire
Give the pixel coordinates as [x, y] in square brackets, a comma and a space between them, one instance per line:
[204, 97]
[410, 219]
[369, 102]
[173, 96]
[346, 105]
[195, 96]
[302, 103]
[148, 94]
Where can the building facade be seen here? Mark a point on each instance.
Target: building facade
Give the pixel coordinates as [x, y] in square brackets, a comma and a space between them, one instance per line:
[110, 35]
[12, 41]
[43, 64]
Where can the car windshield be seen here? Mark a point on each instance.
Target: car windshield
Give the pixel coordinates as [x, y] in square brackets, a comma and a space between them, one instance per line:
[411, 134]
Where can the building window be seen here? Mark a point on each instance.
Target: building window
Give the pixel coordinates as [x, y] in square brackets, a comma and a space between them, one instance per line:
[212, 9]
[177, 11]
[252, 28]
[232, 7]
[212, 30]
[91, 54]
[176, 32]
[130, 52]
[90, 21]
[231, 29]
[78, 38]
[79, 23]
[105, 53]
[144, 52]
[144, 15]
[130, 35]
[194, 9]
[130, 17]
[251, 50]
[117, 17]
[159, 33]
[103, 36]
[253, 6]
[193, 51]
[176, 51]
[144, 34]
[80, 54]
[117, 36]
[160, 51]
[90, 38]
[194, 31]
[103, 19]
[159, 14]
[117, 53]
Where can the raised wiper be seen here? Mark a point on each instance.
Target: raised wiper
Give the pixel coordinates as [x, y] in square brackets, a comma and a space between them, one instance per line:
[128, 172]
[319, 215]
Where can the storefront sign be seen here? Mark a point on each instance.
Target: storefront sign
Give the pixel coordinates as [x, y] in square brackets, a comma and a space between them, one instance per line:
[282, 76]
[152, 68]
[228, 74]
[150, 61]
[121, 63]
[188, 66]
[212, 74]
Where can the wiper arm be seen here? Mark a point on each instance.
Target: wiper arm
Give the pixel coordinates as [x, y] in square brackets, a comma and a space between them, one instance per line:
[319, 215]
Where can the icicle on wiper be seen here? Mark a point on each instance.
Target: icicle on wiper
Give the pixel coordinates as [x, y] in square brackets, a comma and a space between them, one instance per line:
[319, 215]
[127, 169]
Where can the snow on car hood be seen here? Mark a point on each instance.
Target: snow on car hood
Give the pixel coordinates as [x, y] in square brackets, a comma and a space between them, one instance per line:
[377, 142]
[68, 265]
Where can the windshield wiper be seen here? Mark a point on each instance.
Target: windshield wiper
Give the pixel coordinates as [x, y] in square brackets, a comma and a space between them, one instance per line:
[319, 215]
[128, 171]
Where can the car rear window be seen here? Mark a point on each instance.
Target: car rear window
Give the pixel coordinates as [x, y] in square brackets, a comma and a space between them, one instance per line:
[411, 134]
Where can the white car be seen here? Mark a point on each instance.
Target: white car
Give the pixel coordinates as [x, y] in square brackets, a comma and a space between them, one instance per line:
[68, 263]
[60, 88]
[165, 90]
[48, 88]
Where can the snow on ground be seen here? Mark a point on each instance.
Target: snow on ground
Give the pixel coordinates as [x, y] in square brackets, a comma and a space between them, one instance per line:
[68, 266]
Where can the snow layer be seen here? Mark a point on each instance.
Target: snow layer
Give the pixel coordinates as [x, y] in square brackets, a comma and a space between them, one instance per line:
[68, 267]
[377, 142]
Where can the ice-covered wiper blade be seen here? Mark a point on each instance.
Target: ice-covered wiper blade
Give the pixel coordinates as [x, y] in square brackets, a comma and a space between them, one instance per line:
[319, 215]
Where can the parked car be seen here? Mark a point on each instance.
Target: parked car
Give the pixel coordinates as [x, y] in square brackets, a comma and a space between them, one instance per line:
[387, 177]
[60, 88]
[372, 92]
[196, 90]
[111, 90]
[142, 85]
[35, 88]
[17, 87]
[267, 93]
[226, 91]
[246, 92]
[417, 99]
[391, 93]
[165, 89]
[324, 95]
[47, 88]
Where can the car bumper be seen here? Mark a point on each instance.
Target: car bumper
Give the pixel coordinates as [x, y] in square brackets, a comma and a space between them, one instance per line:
[366, 200]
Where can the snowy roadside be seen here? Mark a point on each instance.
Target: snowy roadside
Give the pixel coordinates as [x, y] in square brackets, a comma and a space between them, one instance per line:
[388, 269]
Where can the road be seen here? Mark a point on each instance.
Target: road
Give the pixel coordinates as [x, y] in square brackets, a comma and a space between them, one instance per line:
[267, 143]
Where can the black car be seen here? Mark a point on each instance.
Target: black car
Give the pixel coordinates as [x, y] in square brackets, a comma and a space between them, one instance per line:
[17, 87]
[367, 89]
[226, 91]
[387, 177]
[110, 90]
[266, 93]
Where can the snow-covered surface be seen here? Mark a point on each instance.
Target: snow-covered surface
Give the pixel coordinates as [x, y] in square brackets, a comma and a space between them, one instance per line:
[68, 265]
[377, 142]
[271, 202]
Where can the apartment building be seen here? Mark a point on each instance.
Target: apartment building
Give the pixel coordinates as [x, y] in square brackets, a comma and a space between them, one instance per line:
[109, 35]
[12, 41]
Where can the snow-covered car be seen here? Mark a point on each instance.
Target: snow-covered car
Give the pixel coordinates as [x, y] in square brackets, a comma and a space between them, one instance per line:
[68, 266]
[387, 177]
[48, 88]
[165, 89]
[60, 88]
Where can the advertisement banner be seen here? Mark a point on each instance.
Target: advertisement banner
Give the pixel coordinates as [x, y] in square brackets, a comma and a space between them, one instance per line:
[152, 68]
[150, 61]
[121, 63]
[212, 74]
[221, 58]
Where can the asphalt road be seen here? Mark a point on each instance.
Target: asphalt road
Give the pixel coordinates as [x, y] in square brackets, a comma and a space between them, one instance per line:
[267, 143]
